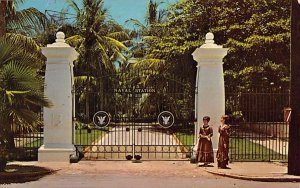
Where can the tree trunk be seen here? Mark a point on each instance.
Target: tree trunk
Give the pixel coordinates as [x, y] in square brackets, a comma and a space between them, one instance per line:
[10, 135]
[11, 141]
[2, 18]
[294, 130]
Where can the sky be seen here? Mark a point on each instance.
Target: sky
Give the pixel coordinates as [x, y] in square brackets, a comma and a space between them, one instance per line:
[120, 10]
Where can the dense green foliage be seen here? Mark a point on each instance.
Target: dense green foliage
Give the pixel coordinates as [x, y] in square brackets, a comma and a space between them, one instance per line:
[100, 43]
[256, 33]
[97, 39]
[21, 87]
[25, 21]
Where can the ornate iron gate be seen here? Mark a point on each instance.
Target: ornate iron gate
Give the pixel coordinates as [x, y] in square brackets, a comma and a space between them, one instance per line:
[136, 114]
[259, 129]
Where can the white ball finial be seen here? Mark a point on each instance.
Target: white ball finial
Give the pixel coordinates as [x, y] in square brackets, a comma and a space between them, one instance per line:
[209, 41]
[60, 37]
[60, 41]
[209, 38]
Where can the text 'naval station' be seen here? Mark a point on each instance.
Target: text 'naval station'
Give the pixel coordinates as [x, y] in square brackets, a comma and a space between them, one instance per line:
[136, 92]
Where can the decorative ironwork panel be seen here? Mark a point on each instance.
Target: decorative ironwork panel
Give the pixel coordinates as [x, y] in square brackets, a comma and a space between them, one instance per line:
[259, 131]
[148, 116]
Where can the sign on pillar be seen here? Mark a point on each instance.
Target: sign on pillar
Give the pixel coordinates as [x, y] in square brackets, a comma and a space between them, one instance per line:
[210, 98]
[57, 145]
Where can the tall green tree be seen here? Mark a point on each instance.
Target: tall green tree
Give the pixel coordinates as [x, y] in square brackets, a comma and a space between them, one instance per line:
[98, 40]
[100, 43]
[21, 89]
[24, 21]
[141, 32]
[163, 68]
[257, 33]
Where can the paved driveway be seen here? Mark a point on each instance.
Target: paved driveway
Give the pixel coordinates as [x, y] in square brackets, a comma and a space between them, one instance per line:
[150, 144]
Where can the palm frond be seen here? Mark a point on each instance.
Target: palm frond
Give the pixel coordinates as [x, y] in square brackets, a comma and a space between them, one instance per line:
[154, 64]
[25, 50]
[19, 76]
[136, 23]
[37, 99]
[75, 40]
[25, 118]
[6, 49]
[118, 56]
[74, 6]
[10, 95]
[26, 20]
[103, 55]
[119, 35]
[114, 42]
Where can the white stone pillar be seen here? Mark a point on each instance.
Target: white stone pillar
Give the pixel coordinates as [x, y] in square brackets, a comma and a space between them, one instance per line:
[58, 88]
[210, 98]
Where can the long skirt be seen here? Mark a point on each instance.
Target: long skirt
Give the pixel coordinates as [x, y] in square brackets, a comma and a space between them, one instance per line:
[205, 151]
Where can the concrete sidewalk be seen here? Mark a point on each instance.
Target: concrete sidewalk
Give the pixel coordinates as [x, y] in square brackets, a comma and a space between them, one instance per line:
[255, 171]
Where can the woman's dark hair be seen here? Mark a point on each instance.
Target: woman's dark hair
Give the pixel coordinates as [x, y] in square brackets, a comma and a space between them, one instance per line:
[206, 118]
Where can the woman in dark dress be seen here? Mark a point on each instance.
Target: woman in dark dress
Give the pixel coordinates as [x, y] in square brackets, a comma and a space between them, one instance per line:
[205, 152]
[223, 146]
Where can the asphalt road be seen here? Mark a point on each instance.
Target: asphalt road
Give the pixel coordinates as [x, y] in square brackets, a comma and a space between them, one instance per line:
[138, 181]
[125, 174]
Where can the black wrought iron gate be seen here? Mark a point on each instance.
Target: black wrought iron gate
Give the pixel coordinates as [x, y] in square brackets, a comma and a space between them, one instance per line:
[135, 114]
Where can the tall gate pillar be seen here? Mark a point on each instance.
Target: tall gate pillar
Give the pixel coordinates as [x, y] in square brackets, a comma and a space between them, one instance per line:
[210, 90]
[57, 144]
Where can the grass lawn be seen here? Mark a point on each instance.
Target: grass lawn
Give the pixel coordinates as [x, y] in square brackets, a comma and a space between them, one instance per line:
[185, 139]
[242, 149]
[82, 137]
[34, 144]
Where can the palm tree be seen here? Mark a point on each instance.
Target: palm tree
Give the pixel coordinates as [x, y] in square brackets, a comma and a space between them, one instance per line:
[25, 21]
[99, 42]
[145, 32]
[21, 90]
[163, 69]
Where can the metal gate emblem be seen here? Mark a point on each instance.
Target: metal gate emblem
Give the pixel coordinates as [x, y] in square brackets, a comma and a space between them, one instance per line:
[165, 119]
[101, 119]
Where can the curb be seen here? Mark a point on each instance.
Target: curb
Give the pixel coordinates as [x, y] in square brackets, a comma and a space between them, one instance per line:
[256, 178]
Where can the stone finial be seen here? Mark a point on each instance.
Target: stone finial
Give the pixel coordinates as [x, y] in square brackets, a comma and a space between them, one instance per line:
[60, 40]
[209, 41]
[60, 37]
[209, 38]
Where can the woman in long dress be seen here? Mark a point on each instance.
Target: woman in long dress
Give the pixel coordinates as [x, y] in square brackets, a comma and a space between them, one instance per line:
[223, 146]
[205, 152]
